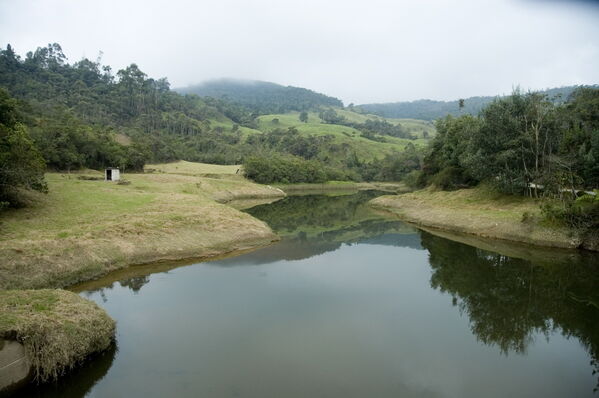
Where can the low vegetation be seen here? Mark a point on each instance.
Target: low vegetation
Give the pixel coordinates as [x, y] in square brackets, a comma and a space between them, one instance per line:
[82, 115]
[484, 212]
[84, 228]
[525, 145]
[58, 329]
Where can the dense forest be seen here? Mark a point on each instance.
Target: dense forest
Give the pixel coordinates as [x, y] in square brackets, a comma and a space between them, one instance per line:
[83, 115]
[524, 144]
[60, 116]
[262, 98]
[427, 109]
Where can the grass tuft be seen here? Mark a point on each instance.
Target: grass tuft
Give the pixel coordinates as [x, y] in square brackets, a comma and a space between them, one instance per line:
[58, 328]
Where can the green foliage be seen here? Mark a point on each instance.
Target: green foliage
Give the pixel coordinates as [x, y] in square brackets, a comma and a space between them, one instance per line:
[262, 97]
[75, 112]
[330, 116]
[21, 165]
[287, 170]
[523, 144]
[448, 151]
[581, 214]
[431, 110]
[83, 115]
[283, 170]
[393, 167]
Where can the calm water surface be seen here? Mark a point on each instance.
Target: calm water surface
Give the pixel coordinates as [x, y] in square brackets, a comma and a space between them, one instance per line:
[349, 304]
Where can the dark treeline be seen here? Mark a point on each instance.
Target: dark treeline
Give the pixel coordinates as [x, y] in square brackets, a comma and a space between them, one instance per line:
[82, 115]
[293, 167]
[262, 98]
[525, 144]
[430, 109]
[21, 164]
[75, 113]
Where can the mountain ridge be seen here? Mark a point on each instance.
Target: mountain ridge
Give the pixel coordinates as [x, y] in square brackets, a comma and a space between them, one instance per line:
[428, 109]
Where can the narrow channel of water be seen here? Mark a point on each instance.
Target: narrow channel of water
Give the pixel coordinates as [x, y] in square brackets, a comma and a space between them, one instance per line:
[350, 304]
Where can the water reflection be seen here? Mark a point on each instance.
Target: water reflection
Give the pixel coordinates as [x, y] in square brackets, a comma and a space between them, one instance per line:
[509, 300]
[344, 305]
[78, 382]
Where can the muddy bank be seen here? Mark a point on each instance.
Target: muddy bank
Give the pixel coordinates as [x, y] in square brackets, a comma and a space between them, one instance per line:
[480, 213]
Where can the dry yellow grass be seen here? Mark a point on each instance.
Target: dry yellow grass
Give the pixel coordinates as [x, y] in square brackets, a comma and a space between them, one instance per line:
[57, 328]
[194, 168]
[84, 229]
[478, 211]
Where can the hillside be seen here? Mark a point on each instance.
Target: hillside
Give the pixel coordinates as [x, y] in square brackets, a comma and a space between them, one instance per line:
[262, 97]
[342, 140]
[82, 115]
[427, 109]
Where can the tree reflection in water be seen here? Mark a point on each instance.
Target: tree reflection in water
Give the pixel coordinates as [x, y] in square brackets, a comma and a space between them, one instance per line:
[509, 299]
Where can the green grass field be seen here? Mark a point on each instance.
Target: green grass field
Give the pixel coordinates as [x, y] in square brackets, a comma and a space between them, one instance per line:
[343, 136]
[84, 228]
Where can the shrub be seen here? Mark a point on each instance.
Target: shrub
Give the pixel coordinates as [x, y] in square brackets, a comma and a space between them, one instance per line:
[581, 214]
[284, 170]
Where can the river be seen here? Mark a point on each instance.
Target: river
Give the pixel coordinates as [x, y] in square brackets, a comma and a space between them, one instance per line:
[351, 303]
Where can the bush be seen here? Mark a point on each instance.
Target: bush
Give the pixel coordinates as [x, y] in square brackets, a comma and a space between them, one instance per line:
[451, 178]
[288, 170]
[581, 214]
[413, 179]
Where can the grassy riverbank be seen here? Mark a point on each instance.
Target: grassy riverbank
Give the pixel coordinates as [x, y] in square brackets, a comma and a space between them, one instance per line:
[84, 228]
[482, 212]
[57, 328]
[341, 186]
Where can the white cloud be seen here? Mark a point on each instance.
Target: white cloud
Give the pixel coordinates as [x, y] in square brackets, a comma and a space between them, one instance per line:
[359, 51]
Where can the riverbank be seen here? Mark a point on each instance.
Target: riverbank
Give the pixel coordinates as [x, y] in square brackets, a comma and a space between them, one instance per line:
[481, 212]
[341, 186]
[85, 228]
[48, 332]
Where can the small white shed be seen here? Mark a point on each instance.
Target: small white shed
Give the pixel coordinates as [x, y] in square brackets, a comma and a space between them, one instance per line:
[112, 174]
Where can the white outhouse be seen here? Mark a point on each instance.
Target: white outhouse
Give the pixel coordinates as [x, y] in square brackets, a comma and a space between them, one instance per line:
[112, 174]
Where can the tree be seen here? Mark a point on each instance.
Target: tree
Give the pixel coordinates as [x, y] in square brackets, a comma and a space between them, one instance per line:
[21, 165]
[303, 117]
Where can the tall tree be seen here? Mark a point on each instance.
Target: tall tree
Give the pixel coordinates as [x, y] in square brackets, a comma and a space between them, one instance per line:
[21, 165]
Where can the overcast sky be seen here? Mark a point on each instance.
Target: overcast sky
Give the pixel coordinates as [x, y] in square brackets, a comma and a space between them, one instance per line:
[359, 51]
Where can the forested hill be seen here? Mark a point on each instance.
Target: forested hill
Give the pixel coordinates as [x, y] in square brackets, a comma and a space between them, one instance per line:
[427, 109]
[262, 97]
[64, 116]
